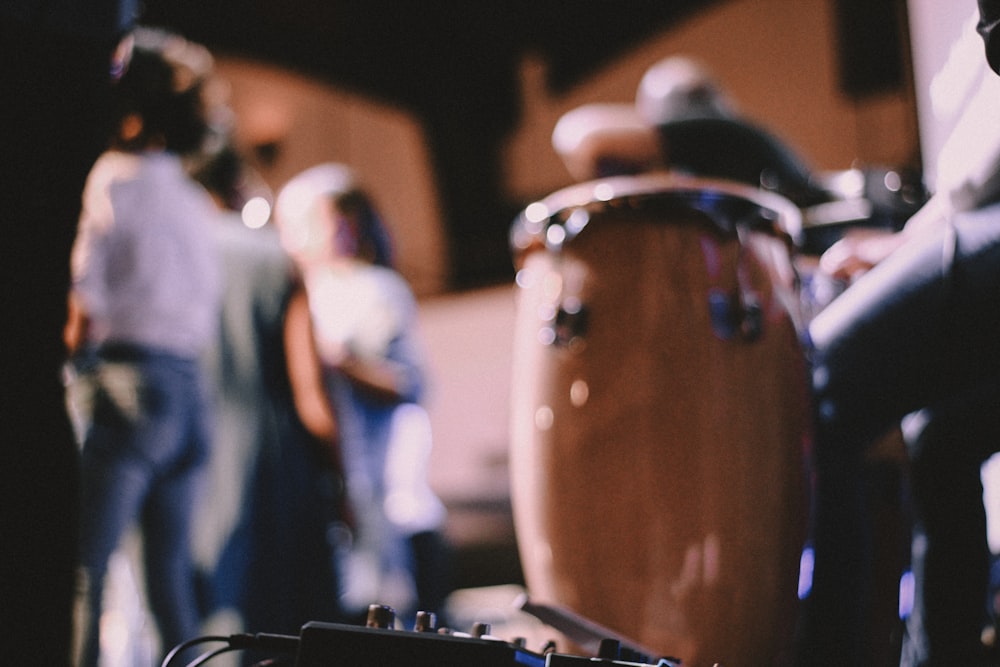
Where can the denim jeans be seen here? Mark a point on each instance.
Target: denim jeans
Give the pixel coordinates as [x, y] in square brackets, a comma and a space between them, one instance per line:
[142, 455]
[919, 334]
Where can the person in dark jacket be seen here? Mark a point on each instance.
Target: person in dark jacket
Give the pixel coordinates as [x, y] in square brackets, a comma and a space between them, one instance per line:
[914, 341]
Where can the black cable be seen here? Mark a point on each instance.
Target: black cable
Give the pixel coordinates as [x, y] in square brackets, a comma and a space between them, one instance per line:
[270, 662]
[189, 644]
[286, 644]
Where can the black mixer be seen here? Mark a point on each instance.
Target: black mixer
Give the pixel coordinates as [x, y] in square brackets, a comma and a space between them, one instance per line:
[379, 643]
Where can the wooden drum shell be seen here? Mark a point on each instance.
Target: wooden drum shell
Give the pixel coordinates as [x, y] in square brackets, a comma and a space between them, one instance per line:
[657, 468]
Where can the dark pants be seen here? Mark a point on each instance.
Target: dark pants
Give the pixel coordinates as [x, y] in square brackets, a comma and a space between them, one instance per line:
[920, 332]
[53, 127]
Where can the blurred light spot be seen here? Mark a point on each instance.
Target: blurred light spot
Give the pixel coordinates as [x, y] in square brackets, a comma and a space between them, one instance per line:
[536, 213]
[806, 563]
[579, 392]
[546, 312]
[256, 212]
[893, 181]
[544, 418]
[546, 335]
[577, 221]
[821, 377]
[555, 235]
[572, 305]
[906, 588]
[604, 192]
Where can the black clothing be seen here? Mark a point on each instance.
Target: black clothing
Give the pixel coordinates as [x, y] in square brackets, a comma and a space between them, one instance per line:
[733, 149]
[989, 19]
[56, 84]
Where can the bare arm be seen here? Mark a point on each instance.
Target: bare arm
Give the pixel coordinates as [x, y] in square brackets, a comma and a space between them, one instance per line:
[381, 378]
[311, 400]
[75, 330]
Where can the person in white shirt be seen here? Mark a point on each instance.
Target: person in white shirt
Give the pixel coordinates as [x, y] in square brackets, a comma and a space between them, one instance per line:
[146, 290]
[363, 319]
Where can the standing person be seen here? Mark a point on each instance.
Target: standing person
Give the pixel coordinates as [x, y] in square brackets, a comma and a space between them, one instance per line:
[273, 486]
[146, 283]
[58, 65]
[364, 316]
[916, 337]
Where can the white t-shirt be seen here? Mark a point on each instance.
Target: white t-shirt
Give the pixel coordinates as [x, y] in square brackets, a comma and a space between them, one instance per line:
[360, 307]
[145, 262]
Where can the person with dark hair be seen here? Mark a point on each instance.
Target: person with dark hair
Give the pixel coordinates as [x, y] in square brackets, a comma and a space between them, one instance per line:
[363, 317]
[146, 290]
[59, 61]
[914, 340]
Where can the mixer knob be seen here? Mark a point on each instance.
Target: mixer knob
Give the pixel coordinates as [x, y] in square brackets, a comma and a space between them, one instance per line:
[426, 622]
[380, 616]
[481, 629]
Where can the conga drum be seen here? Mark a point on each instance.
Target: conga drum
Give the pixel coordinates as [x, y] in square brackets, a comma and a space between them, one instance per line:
[659, 414]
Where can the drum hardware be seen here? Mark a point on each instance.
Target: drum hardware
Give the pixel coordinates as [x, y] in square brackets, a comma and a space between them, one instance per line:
[559, 218]
[726, 214]
[737, 312]
[585, 633]
[869, 197]
[569, 325]
[751, 311]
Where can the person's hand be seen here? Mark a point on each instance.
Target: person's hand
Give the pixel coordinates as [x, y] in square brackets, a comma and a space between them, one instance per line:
[857, 252]
[334, 352]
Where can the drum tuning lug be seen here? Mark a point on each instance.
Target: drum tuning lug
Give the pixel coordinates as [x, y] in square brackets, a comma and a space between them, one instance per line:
[722, 313]
[752, 324]
[569, 324]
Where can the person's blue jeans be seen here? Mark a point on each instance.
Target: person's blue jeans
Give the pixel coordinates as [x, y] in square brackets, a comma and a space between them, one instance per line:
[141, 461]
[920, 332]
